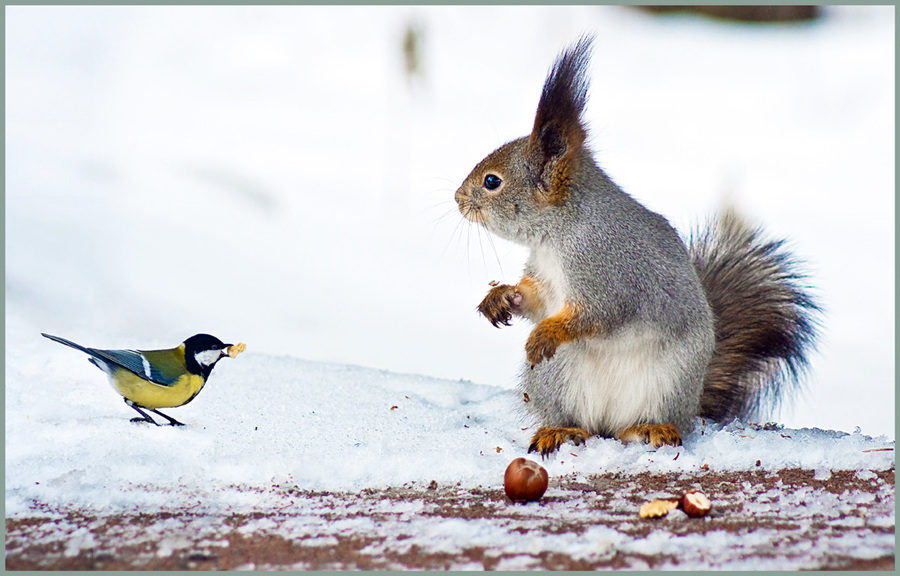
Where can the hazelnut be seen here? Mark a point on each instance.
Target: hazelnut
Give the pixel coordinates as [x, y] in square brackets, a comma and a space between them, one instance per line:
[525, 480]
[695, 504]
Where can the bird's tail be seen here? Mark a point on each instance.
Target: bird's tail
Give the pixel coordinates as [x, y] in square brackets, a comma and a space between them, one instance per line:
[68, 343]
[766, 320]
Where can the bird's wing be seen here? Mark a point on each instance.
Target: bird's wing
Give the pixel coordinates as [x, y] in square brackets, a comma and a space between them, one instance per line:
[167, 365]
[148, 365]
[161, 367]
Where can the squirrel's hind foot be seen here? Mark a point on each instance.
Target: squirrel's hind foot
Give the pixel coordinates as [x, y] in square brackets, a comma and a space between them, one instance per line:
[547, 440]
[655, 434]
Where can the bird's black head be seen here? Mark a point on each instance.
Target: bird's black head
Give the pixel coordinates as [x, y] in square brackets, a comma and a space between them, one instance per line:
[202, 351]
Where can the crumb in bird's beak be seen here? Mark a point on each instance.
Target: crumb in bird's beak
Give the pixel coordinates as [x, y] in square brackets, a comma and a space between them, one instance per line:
[235, 349]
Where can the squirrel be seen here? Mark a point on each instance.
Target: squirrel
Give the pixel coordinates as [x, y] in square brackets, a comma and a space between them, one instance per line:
[635, 332]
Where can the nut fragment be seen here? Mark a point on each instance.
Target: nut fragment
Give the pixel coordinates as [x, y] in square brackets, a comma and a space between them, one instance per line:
[695, 504]
[235, 349]
[658, 508]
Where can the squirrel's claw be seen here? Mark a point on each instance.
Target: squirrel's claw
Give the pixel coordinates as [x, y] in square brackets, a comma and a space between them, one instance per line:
[540, 346]
[504, 320]
[498, 305]
[654, 434]
[548, 440]
[497, 318]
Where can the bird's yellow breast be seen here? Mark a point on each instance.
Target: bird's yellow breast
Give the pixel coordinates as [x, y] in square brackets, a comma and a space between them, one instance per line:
[150, 395]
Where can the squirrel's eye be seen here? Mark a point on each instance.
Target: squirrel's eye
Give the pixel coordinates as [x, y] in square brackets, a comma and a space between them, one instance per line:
[492, 182]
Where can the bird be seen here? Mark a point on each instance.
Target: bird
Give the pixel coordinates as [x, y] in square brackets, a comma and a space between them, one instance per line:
[152, 379]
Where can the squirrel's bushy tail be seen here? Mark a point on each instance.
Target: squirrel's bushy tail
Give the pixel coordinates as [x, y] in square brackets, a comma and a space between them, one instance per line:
[766, 322]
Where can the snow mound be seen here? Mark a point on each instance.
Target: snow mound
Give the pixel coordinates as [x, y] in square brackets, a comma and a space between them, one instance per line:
[268, 420]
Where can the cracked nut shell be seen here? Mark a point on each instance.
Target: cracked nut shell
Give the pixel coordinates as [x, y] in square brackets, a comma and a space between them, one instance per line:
[695, 504]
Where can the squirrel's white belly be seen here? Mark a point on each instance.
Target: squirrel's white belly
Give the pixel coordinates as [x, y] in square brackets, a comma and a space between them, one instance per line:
[614, 382]
[606, 384]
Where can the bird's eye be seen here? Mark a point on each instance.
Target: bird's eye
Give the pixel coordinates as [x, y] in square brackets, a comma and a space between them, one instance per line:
[214, 347]
[492, 181]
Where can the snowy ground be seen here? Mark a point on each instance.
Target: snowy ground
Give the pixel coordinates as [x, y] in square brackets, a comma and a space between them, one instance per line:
[241, 172]
[760, 520]
[340, 459]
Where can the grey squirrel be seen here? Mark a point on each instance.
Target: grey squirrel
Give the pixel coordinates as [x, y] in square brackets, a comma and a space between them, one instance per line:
[635, 333]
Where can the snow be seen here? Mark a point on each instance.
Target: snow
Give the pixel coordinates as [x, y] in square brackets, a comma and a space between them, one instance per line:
[332, 427]
[268, 175]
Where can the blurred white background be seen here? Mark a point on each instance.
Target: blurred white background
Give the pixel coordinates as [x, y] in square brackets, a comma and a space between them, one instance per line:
[278, 176]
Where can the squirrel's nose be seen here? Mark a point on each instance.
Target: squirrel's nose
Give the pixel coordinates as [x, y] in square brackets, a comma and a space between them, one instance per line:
[469, 194]
[461, 195]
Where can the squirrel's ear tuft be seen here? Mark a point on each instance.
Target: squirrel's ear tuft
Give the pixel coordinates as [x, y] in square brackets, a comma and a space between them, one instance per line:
[558, 129]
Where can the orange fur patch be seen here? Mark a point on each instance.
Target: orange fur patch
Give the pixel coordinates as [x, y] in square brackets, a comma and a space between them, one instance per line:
[551, 332]
[560, 181]
[532, 291]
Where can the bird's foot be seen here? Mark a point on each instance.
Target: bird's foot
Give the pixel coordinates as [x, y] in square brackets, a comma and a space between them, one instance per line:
[144, 419]
[172, 421]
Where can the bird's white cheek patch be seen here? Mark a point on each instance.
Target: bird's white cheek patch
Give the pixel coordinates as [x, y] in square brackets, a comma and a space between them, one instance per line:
[207, 357]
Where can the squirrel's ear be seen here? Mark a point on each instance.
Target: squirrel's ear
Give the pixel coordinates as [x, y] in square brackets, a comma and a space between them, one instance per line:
[558, 129]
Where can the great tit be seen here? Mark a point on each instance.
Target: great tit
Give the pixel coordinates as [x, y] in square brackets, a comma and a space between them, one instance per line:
[154, 379]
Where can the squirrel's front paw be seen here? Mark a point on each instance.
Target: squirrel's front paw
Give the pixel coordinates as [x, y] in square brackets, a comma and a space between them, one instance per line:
[500, 303]
[542, 343]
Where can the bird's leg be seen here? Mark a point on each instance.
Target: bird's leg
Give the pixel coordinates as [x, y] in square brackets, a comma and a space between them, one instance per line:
[172, 421]
[145, 417]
